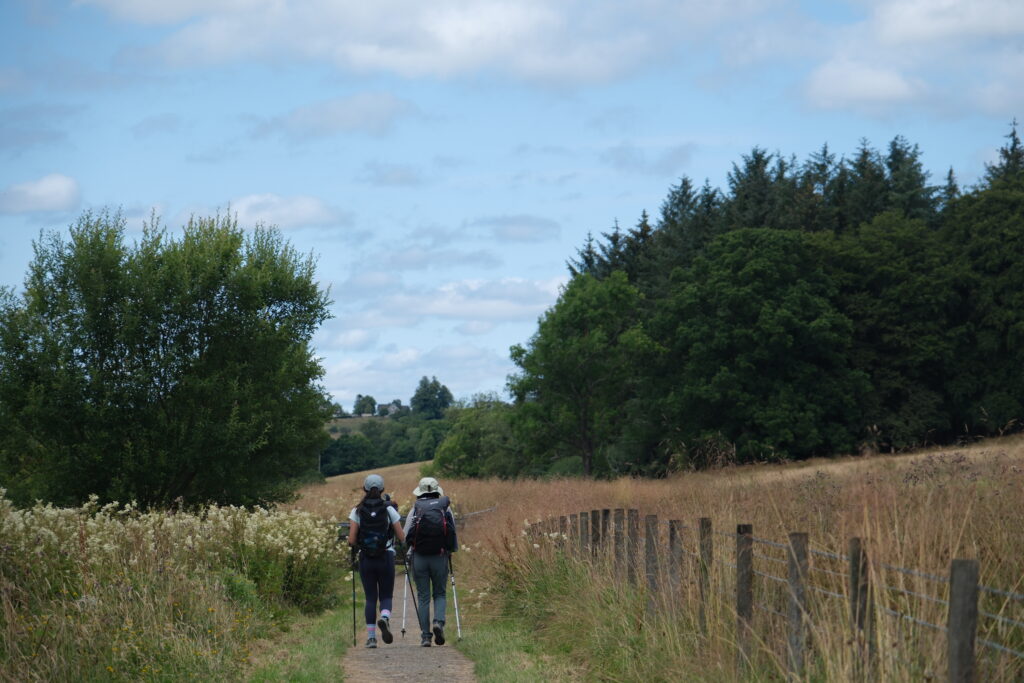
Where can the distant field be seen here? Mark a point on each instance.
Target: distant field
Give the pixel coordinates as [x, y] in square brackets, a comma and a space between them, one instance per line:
[348, 423]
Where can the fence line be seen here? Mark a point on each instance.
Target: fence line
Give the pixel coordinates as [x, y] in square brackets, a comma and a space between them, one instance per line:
[636, 551]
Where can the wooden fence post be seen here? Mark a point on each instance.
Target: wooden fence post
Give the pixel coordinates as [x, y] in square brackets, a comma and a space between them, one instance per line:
[651, 560]
[632, 544]
[574, 532]
[595, 532]
[798, 566]
[606, 532]
[620, 541]
[963, 619]
[704, 576]
[675, 553]
[862, 617]
[744, 592]
[584, 533]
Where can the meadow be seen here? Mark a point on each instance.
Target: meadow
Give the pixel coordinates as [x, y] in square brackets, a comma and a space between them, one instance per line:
[118, 593]
[528, 601]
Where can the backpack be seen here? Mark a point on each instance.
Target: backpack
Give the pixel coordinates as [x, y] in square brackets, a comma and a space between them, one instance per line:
[374, 527]
[431, 531]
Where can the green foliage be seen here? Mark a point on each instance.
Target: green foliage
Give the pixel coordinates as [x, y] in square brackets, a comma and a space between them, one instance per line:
[364, 405]
[431, 399]
[814, 308]
[171, 369]
[480, 441]
[576, 371]
[762, 349]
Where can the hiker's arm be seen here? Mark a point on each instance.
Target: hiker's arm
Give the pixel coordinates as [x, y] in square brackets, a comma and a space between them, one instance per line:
[399, 531]
[353, 531]
[455, 533]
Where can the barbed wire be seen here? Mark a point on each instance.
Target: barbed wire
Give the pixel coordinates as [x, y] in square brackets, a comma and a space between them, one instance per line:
[998, 591]
[1013, 623]
[771, 559]
[831, 556]
[824, 591]
[907, 617]
[914, 572]
[774, 544]
[771, 576]
[919, 595]
[1001, 648]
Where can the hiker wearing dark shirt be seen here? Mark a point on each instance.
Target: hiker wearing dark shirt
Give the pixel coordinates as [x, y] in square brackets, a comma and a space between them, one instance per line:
[430, 534]
[375, 525]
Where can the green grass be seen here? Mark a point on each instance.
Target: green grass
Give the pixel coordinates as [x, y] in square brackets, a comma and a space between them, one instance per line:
[505, 651]
[310, 652]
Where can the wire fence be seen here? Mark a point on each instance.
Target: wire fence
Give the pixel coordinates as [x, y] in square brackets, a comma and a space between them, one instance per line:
[817, 585]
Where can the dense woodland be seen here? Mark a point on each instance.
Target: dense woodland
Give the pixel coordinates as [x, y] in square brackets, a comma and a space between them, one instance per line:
[830, 306]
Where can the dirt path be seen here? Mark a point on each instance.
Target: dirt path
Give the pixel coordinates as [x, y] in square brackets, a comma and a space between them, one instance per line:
[405, 660]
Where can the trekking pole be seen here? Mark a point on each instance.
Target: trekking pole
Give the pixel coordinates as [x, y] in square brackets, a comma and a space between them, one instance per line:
[451, 572]
[405, 593]
[353, 564]
[411, 585]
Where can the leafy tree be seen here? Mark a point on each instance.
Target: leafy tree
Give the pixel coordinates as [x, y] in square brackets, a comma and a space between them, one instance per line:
[761, 350]
[576, 370]
[364, 405]
[430, 399]
[896, 282]
[348, 453]
[168, 370]
[480, 442]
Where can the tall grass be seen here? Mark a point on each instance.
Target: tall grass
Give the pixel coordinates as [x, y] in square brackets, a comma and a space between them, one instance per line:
[916, 512]
[117, 593]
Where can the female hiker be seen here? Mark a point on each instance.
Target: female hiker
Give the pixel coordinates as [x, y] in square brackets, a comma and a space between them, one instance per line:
[375, 524]
[430, 533]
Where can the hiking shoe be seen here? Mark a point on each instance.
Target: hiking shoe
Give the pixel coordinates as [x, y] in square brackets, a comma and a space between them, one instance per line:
[383, 624]
[438, 633]
[371, 642]
[425, 641]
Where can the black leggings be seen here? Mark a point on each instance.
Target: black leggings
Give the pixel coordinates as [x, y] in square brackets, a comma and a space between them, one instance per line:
[378, 577]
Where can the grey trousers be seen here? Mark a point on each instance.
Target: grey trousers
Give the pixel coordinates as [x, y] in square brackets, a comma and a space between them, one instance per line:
[431, 575]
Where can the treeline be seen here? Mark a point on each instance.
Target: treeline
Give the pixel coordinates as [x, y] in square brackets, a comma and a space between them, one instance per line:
[408, 435]
[831, 306]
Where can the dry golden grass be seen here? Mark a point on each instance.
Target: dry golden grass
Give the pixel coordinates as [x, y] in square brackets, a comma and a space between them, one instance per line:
[916, 511]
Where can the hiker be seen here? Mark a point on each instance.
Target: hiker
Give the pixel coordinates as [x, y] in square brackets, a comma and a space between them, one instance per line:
[375, 525]
[430, 534]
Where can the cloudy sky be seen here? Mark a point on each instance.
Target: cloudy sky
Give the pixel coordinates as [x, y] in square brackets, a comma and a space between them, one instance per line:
[444, 159]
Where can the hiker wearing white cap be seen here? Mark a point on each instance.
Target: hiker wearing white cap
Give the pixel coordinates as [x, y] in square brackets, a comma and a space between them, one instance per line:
[375, 524]
[430, 533]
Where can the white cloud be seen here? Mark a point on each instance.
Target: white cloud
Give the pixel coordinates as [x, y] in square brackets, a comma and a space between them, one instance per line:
[900, 22]
[284, 212]
[370, 113]
[53, 192]
[353, 340]
[505, 300]
[475, 327]
[390, 175]
[845, 83]
[465, 369]
[537, 40]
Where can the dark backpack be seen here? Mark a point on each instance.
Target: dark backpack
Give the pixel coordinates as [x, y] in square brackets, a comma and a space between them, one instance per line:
[374, 527]
[431, 531]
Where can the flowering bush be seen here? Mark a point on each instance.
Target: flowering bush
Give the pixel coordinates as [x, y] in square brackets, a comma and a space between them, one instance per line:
[97, 590]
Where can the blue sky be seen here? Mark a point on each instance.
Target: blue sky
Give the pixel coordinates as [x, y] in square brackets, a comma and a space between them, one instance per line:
[442, 160]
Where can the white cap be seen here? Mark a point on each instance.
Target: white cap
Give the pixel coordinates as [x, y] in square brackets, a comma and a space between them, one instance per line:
[427, 485]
